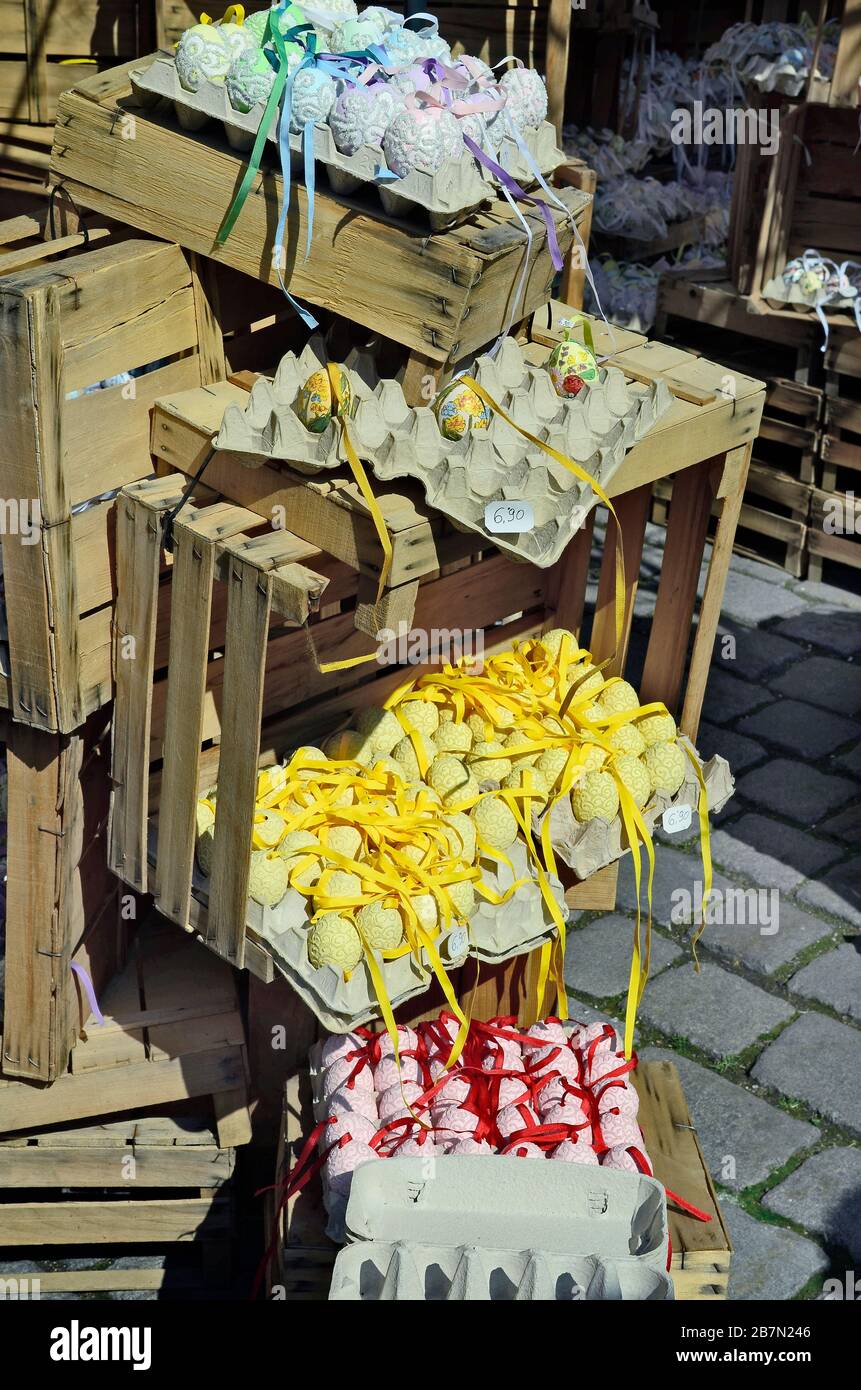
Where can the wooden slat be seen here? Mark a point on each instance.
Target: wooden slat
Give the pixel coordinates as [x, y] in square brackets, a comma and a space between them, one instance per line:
[632, 510]
[80, 1167]
[113, 1223]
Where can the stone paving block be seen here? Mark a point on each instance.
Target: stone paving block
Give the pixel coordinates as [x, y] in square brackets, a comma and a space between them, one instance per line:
[825, 681]
[739, 752]
[845, 825]
[743, 1138]
[823, 627]
[837, 893]
[750, 600]
[817, 592]
[718, 1012]
[677, 887]
[728, 697]
[800, 728]
[598, 957]
[768, 1263]
[795, 790]
[758, 569]
[770, 853]
[824, 1196]
[817, 1060]
[851, 761]
[757, 652]
[753, 941]
[833, 979]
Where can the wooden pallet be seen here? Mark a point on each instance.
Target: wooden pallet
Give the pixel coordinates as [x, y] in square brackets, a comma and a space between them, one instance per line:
[63, 905]
[74, 311]
[172, 1032]
[701, 1251]
[218, 721]
[145, 1183]
[444, 296]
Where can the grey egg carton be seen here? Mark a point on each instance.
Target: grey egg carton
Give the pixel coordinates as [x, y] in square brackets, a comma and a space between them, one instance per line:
[596, 429]
[588, 847]
[450, 194]
[501, 1229]
[496, 933]
[782, 293]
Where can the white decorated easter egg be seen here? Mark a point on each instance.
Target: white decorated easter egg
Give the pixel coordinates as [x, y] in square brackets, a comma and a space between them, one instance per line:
[202, 56]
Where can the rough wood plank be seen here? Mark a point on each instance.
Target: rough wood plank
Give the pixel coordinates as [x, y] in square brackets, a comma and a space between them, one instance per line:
[114, 1223]
[105, 1166]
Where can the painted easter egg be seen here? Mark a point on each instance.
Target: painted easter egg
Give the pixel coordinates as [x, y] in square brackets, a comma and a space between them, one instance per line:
[250, 80]
[202, 55]
[316, 406]
[459, 410]
[571, 366]
[423, 139]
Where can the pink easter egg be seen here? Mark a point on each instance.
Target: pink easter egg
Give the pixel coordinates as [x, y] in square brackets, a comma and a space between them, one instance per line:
[621, 1098]
[423, 139]
[567, 1112]
[341, 1073]
[525, 1151]
[501, 1054]
[386, 1072]
[355, 1102]
[418, 1146]
[619, 1129]
[570, 1151]
[342, 1163]
[455, 1122]
[514, 1118]
[407, 1042]
[340, 1045]
[469, 1147]
[512, 1090]
[604, 1034]
[359, 1127]
[622, 1158]
[556, 1059]
[605, 1064]
[451, 1094]
[393, 1103]
[548, 1031]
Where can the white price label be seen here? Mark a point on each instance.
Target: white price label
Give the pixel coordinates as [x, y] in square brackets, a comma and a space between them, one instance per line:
[676, 818]
[458, 943]
[508, 516]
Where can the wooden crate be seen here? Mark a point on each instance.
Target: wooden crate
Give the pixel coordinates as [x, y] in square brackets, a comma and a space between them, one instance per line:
[838, 465]
[75, 311]
[146, 1184]
[219, 720]
[701, 1251]
[63, 905]
[45, 47]
[443, 296]
[172, 1032]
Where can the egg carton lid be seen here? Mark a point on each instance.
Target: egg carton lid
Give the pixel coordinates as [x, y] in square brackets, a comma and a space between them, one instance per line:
[558, 1208]
[460, 478]
[588, 847]
[792, 294]
[379, 1271]
[542, 147]
[496, 933]
[453, 191]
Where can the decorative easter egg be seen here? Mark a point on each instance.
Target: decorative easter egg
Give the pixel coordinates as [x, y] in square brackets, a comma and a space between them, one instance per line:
[394, 1103]
[595, 796]
[469, 1148]
[525, 97]
[459, 411]
[355, 34]
[345, 1101]
[633, 775]
[326, 15]
[402, 46]
[579, 1151]
[452, 1094]
[418, 1146]
[361, 115]
[513, 1090]
[422, 139]
[495, 822]
[526, 1151]
[316, 405]
[383, 928]
[312, 98]
[657, 728]
[202, 56]
[621, 1098]
[341, 1045]
[666, 765]
[239, 40]
[357, 1126]
[407, 1041]
[334, 941]
[250, 79]
[455, 1122]
[568, 1111]
[269, 878]
[386, 1072]
[342, 1163]
[347, 1072]
[570, 366]
[620, 1157]
[809, 282]
[287, 19]
[548, 1030]
[514, 1118]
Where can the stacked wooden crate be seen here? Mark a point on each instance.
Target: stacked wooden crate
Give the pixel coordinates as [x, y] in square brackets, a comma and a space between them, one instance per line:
[835, 519]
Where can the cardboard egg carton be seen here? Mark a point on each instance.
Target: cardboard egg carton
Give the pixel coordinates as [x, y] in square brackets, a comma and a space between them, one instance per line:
[449, 195]
[588, 847]
[595, 429]
[780, 293]
[496, 933]
[501, 1229]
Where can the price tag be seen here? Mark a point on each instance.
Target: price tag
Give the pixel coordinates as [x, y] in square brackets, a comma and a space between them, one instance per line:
[676, 818]
[508, 516]
[458, 943]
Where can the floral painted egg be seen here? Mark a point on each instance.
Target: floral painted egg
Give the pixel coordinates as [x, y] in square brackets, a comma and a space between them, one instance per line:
[202, 55]
[315, 404]
[571, 366]
[458, 410]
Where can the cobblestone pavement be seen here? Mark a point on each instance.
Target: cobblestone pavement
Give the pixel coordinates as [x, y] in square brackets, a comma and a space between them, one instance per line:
[767, 1037]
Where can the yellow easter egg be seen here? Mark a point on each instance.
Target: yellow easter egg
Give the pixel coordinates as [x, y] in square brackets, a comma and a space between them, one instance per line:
[316, 403]
[459, 410]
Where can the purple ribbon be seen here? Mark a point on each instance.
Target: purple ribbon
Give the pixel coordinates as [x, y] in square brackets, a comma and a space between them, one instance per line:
[514, 188]
[90, 992]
